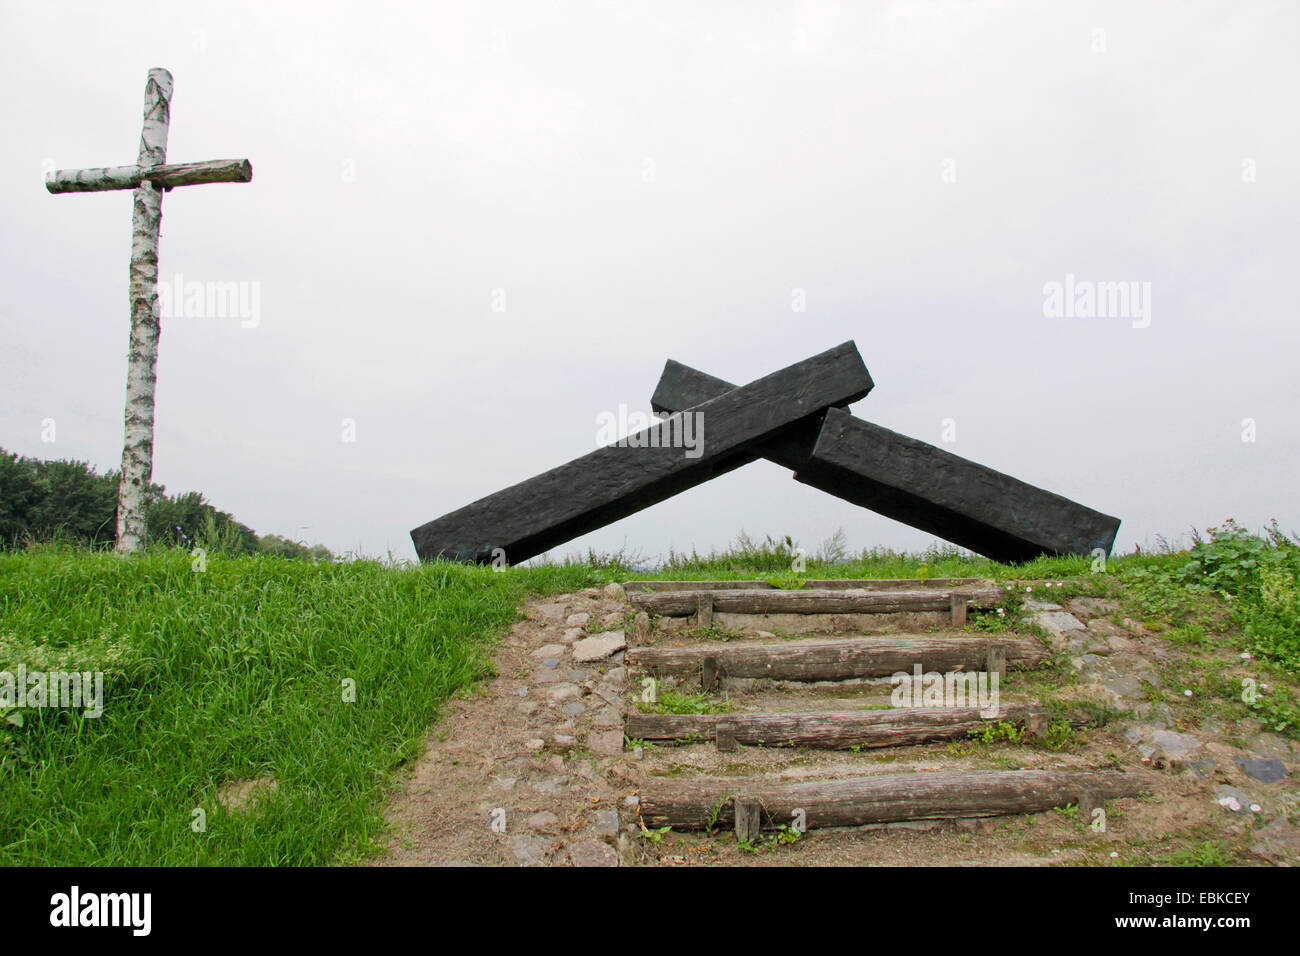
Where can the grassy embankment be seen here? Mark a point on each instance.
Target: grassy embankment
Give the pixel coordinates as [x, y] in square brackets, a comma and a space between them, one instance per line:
[241, 672]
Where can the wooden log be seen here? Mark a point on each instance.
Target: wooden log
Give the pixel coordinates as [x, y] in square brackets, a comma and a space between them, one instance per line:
[883, 798]
[161, 176]
[960, 601]
[709, 672]
[996, 659]
[840, 659]
[809, 601]
[703, 609]
[919, 484]
[1037, 724]
[824, 584]
[1087, 802]
[749, 819]
[831, 729]
[724, 734]
[623, 478]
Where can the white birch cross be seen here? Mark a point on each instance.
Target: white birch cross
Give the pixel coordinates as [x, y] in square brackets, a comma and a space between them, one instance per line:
[149, 177]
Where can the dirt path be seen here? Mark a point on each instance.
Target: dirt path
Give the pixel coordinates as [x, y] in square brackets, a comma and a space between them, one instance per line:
[531, 768]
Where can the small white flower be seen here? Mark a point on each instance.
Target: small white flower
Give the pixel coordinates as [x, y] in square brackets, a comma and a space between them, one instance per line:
[1255, 808]
[1245, 656]
[1029, 590]
[1187, 693]
[1230, 803]
[1114, 855]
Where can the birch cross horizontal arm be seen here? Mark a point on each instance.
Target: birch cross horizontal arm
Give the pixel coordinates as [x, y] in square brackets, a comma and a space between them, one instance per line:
[620, 479]
[162, 176]
[918, 484]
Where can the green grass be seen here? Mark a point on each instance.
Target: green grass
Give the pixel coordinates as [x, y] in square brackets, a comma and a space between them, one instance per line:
[235, 673]
[773, 562]
[671, 701]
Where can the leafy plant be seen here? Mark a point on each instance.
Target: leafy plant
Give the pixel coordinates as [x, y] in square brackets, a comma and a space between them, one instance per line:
[654, 836]
[671, 701]
[784, 836]
[1272, 622]
[1059, 735]
[1279, 710]
[993, 732]
[788, 581]
[1205, 853]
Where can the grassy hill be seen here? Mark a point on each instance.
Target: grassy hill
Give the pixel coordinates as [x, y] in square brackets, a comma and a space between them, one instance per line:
[324, 677]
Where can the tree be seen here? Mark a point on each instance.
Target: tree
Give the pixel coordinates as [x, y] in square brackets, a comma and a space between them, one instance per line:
[40, 500]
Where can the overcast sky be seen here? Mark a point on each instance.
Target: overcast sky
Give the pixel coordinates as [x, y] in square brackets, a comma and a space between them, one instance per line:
[473, 227]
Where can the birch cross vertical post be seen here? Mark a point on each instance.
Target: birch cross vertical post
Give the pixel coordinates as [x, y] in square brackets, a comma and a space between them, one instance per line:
[149, 178]
[142, 357]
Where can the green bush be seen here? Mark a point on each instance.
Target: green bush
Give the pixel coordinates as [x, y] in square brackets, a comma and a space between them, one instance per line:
[1272, 619]
[1259, 575]
[68, 501]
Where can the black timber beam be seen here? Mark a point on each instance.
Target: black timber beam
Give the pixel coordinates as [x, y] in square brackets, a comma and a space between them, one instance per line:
[918, 484]
[620, 479]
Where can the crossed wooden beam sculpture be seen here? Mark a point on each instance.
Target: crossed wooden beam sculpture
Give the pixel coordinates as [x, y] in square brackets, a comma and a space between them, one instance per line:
[795, 417]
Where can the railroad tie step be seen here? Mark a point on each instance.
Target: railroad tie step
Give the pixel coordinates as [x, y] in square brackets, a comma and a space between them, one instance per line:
[832, 584]
[836, 730]
[705, 803]
[904, 600]
[840, 659]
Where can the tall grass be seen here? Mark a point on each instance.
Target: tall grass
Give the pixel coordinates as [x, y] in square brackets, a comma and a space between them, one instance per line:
[234, 673]
[749, 558]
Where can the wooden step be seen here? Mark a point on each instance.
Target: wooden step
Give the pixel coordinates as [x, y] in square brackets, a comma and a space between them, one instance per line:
[706, 802]
[841, 659]
[833, 729]
[823, 584]
[813, 600]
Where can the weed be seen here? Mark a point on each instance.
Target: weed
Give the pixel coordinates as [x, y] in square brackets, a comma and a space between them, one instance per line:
[671, 701]
[1205, 853]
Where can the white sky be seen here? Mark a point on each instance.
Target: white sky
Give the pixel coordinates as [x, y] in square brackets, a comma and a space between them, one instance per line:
[788, 146]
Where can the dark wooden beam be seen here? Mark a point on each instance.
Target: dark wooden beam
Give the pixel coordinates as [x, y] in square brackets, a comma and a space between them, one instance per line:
[918, 484]
[972, 505]
[621, 479]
